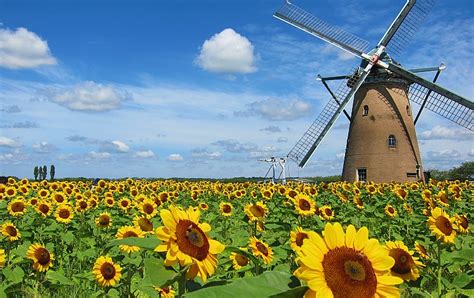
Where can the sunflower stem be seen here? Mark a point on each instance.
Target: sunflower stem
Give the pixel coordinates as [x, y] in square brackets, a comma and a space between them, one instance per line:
[439, 270]
[182, 284]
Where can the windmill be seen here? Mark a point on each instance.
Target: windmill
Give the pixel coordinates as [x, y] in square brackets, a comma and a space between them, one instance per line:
[382, 144]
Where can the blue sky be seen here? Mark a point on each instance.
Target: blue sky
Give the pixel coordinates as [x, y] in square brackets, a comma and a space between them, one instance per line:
[198, 88]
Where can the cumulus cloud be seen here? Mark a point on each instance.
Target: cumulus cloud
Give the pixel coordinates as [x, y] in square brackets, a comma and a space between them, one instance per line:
[205, 154]
[11, 109]
[98, 155]
[175, 157]
[21, 48]
[235, 146]
[444, 154]
[227, 52]
[88, 97]
[442, 132]
[271, 129]
[276, 109]
[44, 147]
[120, 146]
[7, 142]
[145, 154]
[24, 124]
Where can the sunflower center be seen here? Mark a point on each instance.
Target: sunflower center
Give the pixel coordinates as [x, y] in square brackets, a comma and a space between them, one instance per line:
[349, 273]
[192, 240]
[304, 205]
[83, 205]
[292, 194]
[124, 203]
[148, 209]
[59, 198]
[262, 248]
[241, 260]
[300, 237]
[42, 255]
[64, 213]
[107, 270]
[328, 211]
[464, 222]
[390, 210]
[257, 211]
[403, 261]
[129, 234]
[145, 224]
[226, 209]
[18, 207]
[44, 208]
[444, 225]
[11, 231]
[104, 220]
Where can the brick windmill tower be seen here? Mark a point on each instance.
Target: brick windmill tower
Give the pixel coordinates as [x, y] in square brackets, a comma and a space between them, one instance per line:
[382, 145]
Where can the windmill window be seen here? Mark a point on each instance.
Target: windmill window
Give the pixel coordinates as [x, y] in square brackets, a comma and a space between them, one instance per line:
[366, 110]
[392, 141]
[362, 175]
[408, 111]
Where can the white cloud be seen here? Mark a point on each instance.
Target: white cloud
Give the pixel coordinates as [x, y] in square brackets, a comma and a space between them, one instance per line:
[271, 129]
[7, 142]
[88, 96]
[227, 52]
[44, 147]
[277, 109]
[471, 153]
[120, 146]
[98, 155]
[23, 49]
[441, 132]
[206, 154]
[282, 140]
[145, 154]
[443, 154]
[175, 157]
[7, 157]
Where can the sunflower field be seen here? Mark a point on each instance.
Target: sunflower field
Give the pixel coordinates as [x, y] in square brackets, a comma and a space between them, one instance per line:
[165, 238]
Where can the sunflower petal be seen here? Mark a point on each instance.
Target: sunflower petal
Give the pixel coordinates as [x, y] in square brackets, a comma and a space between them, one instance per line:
[389, 280]
[361, 238]
[330, 236]
[350, 236]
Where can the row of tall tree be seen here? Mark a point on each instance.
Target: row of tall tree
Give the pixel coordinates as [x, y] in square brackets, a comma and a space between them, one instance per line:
[41, 172]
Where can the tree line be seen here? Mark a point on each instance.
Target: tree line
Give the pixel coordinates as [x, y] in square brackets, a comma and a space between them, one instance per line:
[41, 172]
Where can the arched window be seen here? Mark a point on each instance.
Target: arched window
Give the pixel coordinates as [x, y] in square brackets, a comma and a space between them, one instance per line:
[366, 110]
[392, 141]
[408, 110]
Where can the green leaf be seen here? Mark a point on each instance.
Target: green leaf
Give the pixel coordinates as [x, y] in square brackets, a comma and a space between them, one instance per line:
[147, 243]
[156, 271]
[264, 285]
[68, 237]
[242, 252]
[112, 293]
[462, 280]
[56, 277]
[464, 255]
[292, 293]
[15, 276]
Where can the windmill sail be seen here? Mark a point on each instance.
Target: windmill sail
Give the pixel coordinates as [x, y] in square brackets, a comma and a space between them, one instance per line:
[305, 147]
[307, 22]
[405, 26]
[441, 101]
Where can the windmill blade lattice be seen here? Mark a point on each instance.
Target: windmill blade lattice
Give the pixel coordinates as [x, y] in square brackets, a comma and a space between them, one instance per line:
[405, 26]
[305, 147]
[305, 21]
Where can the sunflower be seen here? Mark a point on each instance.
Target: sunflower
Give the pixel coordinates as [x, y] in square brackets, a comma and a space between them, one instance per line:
[109, 202]
[390, 211]
[143, 223]
[124, 204]
[358, 202]
[462, 223]
[407, 208]
[304, 205]
[186, 241]
[426, 195]
[401, 193]
[10, 192]
[239, 260]
[104, 220]
[203, 206]
[226, 209]
[166, 292]
[44, 208]
[326, 213]
[371, 189]
[43, 193]
[266, 193]
[421, 250]
[406, 265]
[82, 205]
[17, 207]
[59, 197]
[106, 272]
[442, 198]
[42, 258]
[3, 258]
[10, 231]
[346, 264]
[64, 213]
[148, 208]
[442, 226]
[298, 236]
[129, 231]
[291, 194]
[256, 211]
[262, 250]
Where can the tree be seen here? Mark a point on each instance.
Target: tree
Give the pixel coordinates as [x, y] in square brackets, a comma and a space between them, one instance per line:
[40, 173]
[463, 172]
[45, 172]
[52, 171]
[36, 172]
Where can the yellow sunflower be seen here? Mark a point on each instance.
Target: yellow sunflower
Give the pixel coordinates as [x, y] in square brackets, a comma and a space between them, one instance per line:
[371, 189]
[346, 265]
[262, 250]
[304, 205]
[358, 202]
[462, 223]
[406, 265]
[42, 258]
[104, 220]
[401, 193]
[442, 225]
[17, 207]
[10, 192]
[298, 236]
[390, 211]
[326, 213]
[43, 208]
[3, 258]
[203, 206]
[226, 209]
[238, 260]
[166, 292]
[129, 231]
[109, 202]
[64, 213]
[106, 272]
[421, 250]
[256, 211]
[186, 241]
[10, 231]
[148, 208]
[442, 198]
[125, 204]
[59, 197]
[143, 223]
